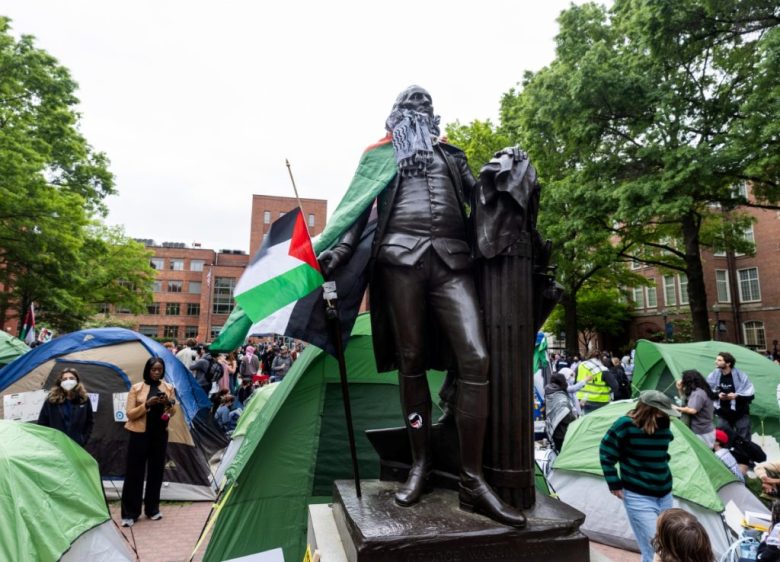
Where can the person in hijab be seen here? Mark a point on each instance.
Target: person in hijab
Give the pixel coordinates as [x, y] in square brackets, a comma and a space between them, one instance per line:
[559, 412]
[68, 408]
[150, 404]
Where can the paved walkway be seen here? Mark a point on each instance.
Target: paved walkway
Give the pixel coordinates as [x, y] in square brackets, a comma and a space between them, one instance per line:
[172, 538]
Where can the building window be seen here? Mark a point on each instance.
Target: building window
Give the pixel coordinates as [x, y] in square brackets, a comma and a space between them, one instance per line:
[195, 287]
[639, 297]
[153, 308]
[193, 309]
[197, 265]
[749, 289]
[172, 309]
[636, 265]
[171, 332]
[104, 308]
[190, 331]
[652, 296]
[740, 190]
[157, 263]
[156, 286]
[148, 330]
[722, 285]
[176, 265]
[755, 337]
[682, 279]
[175, 286]
[311, 220]
[215, 332]
[670, 291]
[266, 217]
[123, 310]
[222, 301]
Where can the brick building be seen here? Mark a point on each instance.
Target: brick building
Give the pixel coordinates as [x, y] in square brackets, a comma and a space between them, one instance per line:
[193, 292]
[743, 291]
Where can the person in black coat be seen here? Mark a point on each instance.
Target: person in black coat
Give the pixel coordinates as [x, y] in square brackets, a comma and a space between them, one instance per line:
[68, 408]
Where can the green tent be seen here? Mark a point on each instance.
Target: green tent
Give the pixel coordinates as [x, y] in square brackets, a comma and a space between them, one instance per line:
[10, 348]
[659, 365]
[291, 444]
[51, 499]
[702, 484]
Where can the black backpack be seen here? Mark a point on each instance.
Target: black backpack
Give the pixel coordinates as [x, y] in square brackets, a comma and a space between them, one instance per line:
[214, 370]
[624, 386]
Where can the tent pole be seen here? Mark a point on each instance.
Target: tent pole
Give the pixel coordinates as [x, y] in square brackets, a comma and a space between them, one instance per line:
[332, 314]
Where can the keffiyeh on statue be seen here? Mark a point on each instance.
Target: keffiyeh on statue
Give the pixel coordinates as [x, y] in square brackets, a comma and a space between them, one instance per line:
[414, 129]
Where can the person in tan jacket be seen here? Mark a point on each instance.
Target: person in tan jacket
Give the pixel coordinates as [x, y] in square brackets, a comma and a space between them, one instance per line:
[150, 404]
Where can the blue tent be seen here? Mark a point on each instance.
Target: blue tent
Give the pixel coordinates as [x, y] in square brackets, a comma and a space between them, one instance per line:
[109, 361]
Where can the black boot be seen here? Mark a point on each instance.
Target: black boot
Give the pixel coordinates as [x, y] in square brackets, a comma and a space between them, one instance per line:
[416, 407]
[475, 494]
[447, 395]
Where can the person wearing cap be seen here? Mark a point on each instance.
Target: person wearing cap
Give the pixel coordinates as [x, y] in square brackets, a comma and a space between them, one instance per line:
[722, 451]
[639, 442]
[281, 364]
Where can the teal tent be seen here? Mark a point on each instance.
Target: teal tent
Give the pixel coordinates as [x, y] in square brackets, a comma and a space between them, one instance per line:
[51, 499]
[10, 348]
[291, 444]
[702, 484]
[659, 365]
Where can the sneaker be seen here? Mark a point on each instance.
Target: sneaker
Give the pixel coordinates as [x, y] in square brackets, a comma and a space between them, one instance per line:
[156, 517]
[127, 522]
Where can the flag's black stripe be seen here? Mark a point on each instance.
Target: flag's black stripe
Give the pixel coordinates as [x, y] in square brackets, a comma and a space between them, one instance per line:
[281, 230]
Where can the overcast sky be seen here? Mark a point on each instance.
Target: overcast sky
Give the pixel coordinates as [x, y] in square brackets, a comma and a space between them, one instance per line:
[198, 103]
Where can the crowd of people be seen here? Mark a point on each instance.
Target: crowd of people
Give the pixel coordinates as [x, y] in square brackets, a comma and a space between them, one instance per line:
[634, 452]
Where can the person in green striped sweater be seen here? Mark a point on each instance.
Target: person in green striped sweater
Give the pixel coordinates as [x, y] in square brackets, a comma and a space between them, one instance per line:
[639, 442]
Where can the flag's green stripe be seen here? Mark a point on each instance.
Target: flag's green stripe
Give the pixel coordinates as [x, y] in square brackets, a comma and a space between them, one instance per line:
[268, 297]
[375, 170]
[234, 332]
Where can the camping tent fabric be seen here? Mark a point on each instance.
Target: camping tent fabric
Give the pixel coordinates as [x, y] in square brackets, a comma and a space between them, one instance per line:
[11, 348]
[701, 483]
[659, 365]
[50, 495]
[109, 360]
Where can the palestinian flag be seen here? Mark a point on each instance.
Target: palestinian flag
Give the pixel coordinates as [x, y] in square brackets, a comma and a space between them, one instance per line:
[27, 334]
[283, 270]
[375, 171]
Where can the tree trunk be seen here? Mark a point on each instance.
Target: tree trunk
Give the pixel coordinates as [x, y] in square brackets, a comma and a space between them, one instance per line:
[569, 303]
[697, 290]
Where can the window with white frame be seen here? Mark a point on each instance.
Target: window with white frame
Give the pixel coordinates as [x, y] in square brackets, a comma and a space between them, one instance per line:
[636, 265]
[638, 297]
[652, 296]
[311, 220]
[682, 281]
[670, 291]
[748, 235]
[156, 286]
[740, 190]
[755, 337]
[722, 285]
[197, 265]
[195, 287]
[266, 217]
[749, 289]
[157, 263]
[176, 264]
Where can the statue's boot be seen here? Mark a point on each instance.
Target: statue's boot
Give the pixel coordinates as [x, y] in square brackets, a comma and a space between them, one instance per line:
[416, 407]
[475, 494]
[447, 395]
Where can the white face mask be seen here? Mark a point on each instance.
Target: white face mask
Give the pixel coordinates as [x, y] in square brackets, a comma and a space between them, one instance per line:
[68, 385]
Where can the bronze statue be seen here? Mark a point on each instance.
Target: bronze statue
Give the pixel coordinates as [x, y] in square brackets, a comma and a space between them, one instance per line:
[424, 302]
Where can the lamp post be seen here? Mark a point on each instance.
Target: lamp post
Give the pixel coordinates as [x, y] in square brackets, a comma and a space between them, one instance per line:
[716, 310]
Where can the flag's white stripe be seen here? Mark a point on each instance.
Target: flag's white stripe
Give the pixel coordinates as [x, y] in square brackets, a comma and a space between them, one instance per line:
[276, 323]
[274, 263]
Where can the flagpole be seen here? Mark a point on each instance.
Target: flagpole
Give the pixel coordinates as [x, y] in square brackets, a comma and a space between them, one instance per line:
[331, 313]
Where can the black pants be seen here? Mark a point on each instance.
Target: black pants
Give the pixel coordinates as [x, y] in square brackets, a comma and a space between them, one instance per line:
[145, 455]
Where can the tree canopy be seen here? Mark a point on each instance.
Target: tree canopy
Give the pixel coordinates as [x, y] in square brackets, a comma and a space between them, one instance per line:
[53, 250]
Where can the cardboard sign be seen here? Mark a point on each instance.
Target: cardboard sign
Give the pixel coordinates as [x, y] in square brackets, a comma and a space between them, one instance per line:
[93, 398]
[24, 406]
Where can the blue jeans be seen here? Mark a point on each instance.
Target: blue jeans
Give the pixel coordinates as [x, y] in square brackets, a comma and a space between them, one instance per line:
[642, 514]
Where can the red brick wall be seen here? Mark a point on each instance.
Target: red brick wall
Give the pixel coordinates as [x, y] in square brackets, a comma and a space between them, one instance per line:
[277, 205]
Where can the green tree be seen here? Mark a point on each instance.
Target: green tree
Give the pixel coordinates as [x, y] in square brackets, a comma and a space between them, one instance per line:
[645, 114]
[53, 250]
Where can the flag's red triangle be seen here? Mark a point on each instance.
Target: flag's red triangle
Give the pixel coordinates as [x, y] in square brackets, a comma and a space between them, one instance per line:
[300, 244]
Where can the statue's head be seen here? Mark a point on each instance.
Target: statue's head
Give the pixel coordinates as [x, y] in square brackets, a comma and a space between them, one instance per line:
[415, 98]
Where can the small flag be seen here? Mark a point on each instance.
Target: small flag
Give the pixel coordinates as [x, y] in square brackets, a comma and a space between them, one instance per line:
[28, 328]
[284, 269]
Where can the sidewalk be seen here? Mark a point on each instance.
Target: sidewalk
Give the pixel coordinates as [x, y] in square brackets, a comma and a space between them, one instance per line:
[173, 538]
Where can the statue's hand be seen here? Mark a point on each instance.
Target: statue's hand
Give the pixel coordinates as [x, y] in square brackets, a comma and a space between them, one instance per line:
[329, 260]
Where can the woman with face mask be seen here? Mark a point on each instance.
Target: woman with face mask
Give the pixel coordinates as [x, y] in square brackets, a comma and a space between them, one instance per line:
[150, 404]
[68, 408]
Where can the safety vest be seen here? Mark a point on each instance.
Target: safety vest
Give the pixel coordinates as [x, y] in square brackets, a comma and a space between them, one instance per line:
[597, 390]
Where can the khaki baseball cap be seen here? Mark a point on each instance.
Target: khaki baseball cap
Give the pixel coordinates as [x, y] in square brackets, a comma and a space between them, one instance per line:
[659, 401]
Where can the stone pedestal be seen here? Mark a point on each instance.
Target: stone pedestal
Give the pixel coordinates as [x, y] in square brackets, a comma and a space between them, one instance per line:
[375, 529]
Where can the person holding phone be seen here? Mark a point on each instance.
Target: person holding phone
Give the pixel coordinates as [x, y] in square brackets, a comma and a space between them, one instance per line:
[150, 404]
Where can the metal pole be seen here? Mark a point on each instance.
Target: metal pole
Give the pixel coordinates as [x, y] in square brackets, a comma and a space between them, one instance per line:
[295, 190]
[332, 314]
